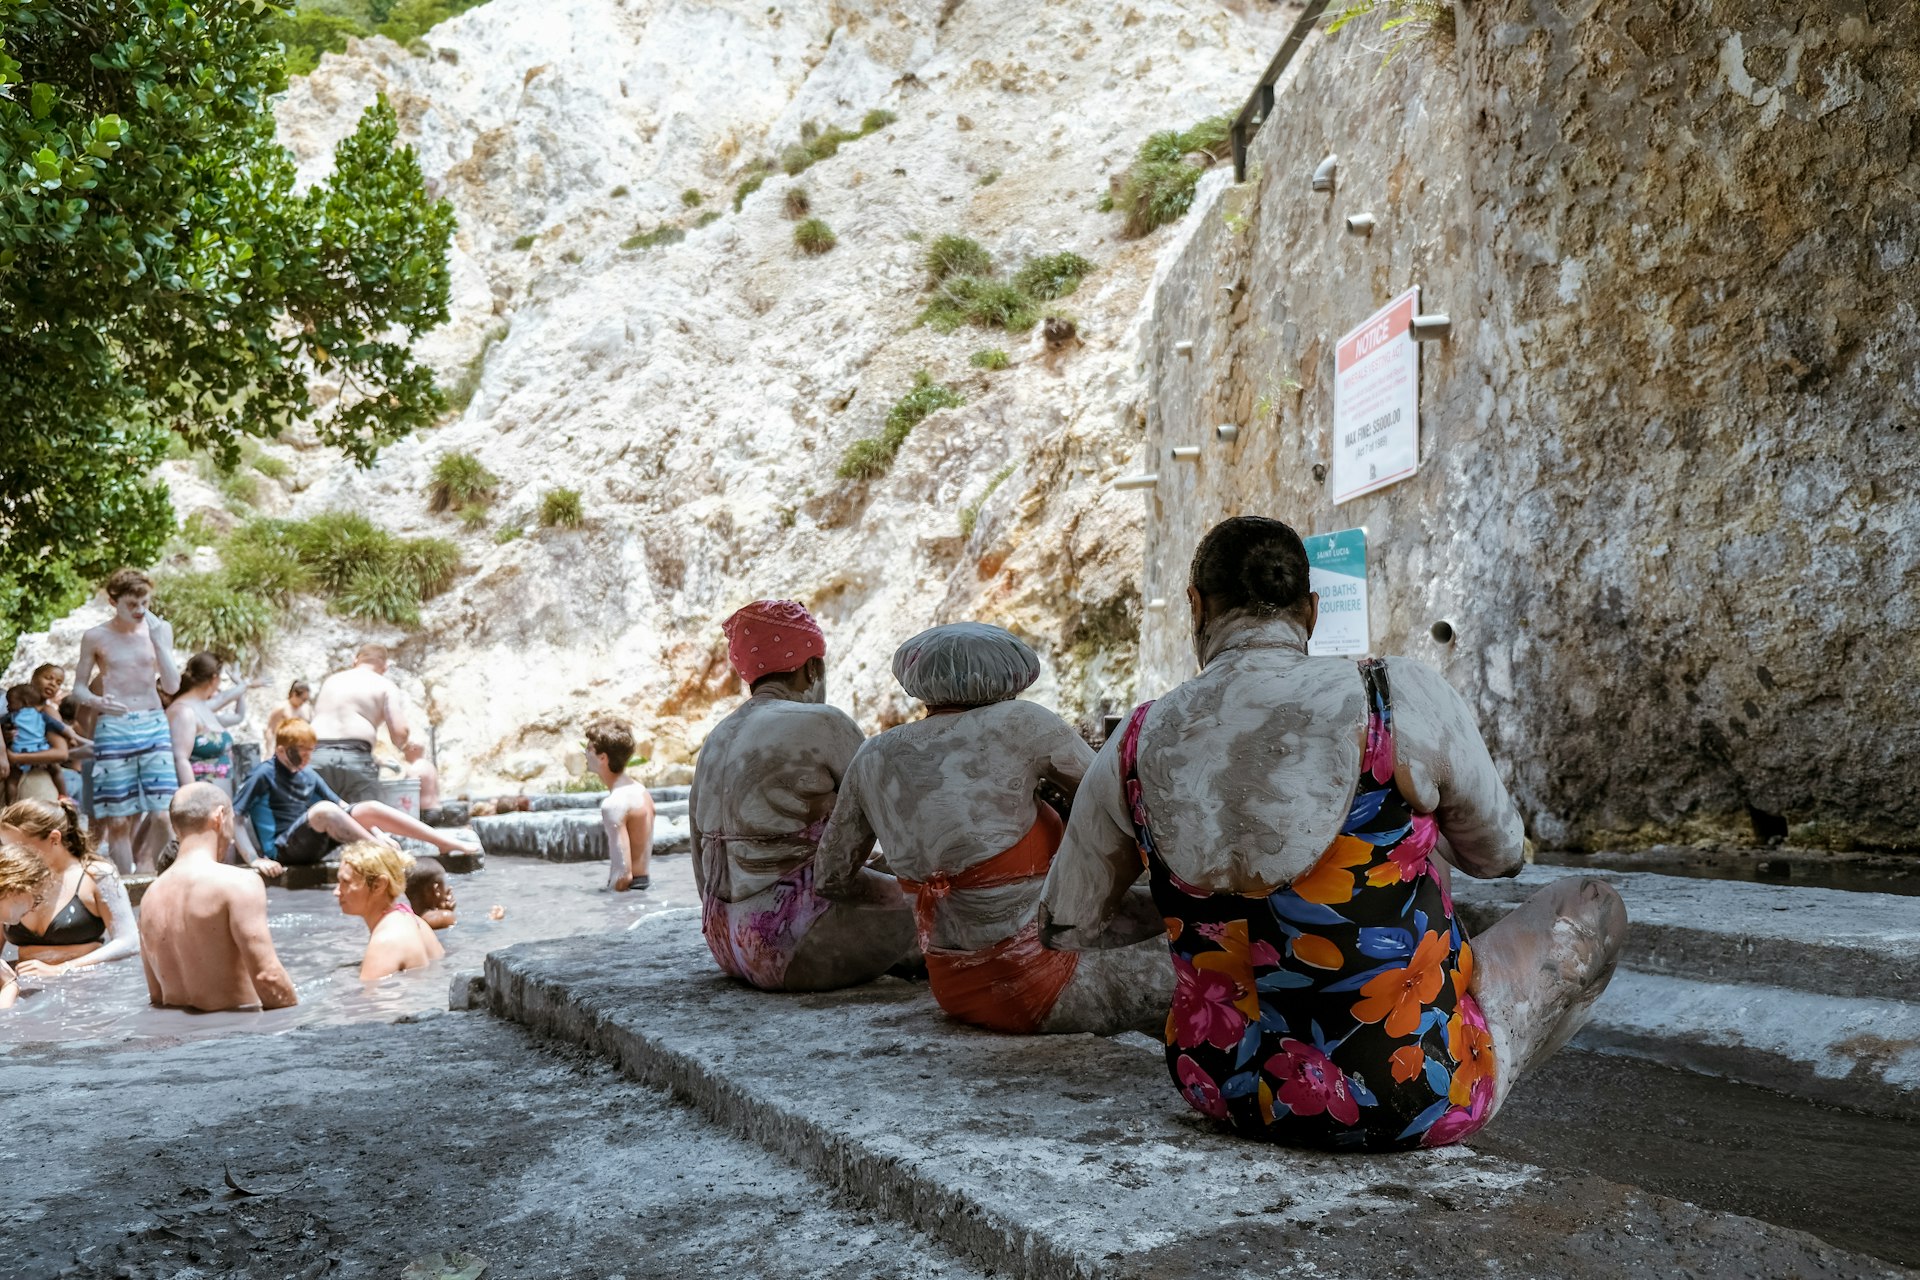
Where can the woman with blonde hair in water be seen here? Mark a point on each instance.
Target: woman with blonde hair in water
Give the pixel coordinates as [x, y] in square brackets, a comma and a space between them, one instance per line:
[373, 886]
[87, 918]
[25, 882]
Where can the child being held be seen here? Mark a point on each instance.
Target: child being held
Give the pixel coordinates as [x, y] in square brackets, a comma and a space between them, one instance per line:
[31, 731]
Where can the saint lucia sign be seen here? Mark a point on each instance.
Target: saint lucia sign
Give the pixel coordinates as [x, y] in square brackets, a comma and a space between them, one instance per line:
[1376, 401]
[1337, 569]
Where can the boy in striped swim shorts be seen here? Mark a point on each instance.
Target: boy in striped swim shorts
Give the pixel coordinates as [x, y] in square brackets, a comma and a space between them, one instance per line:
[134, 774]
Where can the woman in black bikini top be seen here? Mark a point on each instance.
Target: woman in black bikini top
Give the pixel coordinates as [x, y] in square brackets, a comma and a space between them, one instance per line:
[86, 924]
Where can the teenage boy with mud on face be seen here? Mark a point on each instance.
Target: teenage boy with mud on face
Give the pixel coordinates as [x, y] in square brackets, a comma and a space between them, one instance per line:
[133, 772]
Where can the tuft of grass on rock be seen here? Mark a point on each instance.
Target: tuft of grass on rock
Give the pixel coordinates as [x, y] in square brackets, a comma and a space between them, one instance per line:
[210, 612]
[618, 192]
[990, 177]
[460, 482]
[461, 393]
[988, 358]
[665, 233]
[982, 301]
[876, 120]
[523, 243]
[970, 514]
[473, 519]
[561, 509]
[796, 203]
[814, 237]
[952, 255]
[262, 564]
[691, 198]
[746, 188]
[1054, 276]
[706, 219]
[865, 459]
[1158, 186]
[507, 533]
[268, 465]
[581, 785]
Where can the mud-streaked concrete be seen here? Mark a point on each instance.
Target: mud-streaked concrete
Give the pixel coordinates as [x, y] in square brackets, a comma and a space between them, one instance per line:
[1071, 1156]
[378, 1144]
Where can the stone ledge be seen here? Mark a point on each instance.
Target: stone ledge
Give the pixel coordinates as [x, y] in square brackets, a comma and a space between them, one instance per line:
[1070, 1157]
[570, 835]
[1860, 1054]
[1828, 942]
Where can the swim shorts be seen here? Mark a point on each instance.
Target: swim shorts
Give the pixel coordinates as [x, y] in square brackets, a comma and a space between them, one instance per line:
[133, 765]
[347, 765]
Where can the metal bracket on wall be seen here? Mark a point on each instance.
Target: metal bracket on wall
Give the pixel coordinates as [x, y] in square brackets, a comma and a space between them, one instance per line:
[1259, 106]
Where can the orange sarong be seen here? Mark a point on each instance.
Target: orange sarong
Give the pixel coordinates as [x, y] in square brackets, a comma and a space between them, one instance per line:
[1013, 984]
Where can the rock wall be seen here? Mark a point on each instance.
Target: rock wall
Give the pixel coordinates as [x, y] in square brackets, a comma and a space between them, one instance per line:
[1669, 454]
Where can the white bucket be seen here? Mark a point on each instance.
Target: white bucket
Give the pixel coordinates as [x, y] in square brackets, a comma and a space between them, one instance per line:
[402, 794]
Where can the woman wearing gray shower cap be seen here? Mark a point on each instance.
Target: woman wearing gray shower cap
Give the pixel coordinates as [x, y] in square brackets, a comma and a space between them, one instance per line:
[965, 664]
[953, 799]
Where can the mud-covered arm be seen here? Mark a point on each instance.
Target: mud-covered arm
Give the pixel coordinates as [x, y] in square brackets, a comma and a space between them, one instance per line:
[123, 930]
[1443, 766]
[1087, 903]
[1064, 755]
[848, 841]
[9, 986]
[696, 843]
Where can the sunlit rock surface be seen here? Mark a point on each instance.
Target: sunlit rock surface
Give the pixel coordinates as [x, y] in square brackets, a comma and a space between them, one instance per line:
[700, 395]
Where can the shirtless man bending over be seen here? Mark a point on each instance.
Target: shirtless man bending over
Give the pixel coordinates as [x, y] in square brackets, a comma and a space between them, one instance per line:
[627, 812]
[133, 770]
[347, 715]
[203, 925]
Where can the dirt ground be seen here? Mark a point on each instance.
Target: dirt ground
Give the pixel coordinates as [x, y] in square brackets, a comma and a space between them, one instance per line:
[418, 1150]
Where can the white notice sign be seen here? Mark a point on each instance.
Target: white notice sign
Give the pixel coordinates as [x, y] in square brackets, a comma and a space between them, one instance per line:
[1337, 569]
[1376, 401]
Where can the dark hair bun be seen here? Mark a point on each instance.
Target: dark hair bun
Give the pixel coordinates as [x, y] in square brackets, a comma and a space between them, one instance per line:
[1252, 563]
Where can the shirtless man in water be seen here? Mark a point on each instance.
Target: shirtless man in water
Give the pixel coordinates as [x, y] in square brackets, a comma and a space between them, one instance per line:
[627, 812]
[133, 771]
[203, 925]
[347, 715]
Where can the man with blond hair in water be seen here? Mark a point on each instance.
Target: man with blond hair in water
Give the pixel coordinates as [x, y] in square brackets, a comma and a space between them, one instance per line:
[348, 712]
[203, 925]
[133, 769]
[762, 792]
[627, 813]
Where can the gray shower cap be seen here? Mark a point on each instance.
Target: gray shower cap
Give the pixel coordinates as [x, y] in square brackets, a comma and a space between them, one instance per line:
[965, 664]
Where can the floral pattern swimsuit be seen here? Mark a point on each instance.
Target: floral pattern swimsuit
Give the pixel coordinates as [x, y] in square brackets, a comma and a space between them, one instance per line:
[1334, 1012]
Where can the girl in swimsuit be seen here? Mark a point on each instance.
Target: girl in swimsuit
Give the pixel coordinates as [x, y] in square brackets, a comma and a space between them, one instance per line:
[372, 886]
[85, 918]
[200, 723]
[25, 882]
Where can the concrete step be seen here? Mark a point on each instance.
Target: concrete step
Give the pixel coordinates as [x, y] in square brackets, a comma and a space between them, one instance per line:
[1826, 941]
[1071, 1157]
[1811, 992]
[1845, 1052]
[573, 835]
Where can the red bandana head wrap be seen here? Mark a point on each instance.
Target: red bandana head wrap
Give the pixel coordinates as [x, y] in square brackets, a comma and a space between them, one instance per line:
[770, 637]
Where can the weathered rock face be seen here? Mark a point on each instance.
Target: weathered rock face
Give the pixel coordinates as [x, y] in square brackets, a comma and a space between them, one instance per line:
[700, 395]
[1669, 455]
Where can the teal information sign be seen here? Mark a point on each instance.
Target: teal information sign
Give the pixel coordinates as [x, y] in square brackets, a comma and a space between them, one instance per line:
[1337, 567]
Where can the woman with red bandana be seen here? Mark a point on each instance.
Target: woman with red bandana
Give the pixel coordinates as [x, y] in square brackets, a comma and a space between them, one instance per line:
[762, 791]
[955, 799]
[1296, 819]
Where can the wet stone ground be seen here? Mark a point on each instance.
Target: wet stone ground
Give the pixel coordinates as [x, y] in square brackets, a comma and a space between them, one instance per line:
[373, 1147]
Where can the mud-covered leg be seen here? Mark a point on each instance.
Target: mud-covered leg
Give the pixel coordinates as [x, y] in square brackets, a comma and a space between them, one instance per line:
[1539, 970]
[867, 931]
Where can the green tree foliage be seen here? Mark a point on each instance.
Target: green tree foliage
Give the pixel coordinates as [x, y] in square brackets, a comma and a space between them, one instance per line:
[161, 280]
[323, 26]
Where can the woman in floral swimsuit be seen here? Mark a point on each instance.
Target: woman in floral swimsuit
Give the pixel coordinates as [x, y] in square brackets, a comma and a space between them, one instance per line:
[1295, 817]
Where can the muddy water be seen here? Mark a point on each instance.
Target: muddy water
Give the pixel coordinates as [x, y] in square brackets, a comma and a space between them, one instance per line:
[321, 950]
